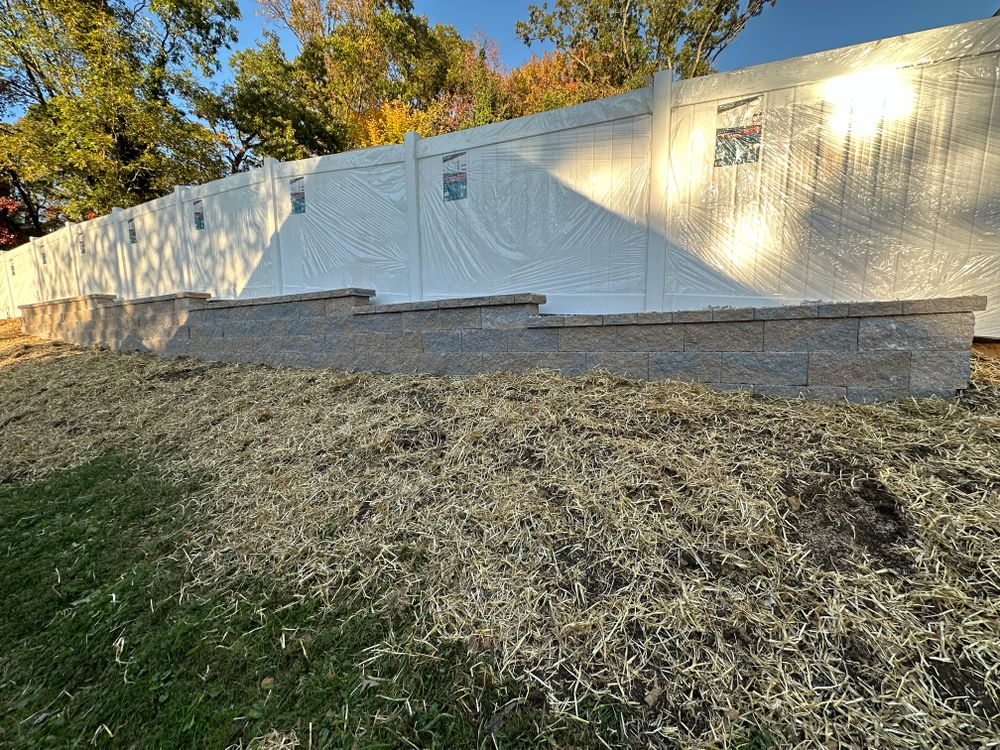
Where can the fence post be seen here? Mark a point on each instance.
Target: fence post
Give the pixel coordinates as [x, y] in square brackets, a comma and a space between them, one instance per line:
[39, 283]
[659, 175]
[414, 258]
[71, 256]
[14, 309]
[126, 287]
[187, 269]
[273, 235]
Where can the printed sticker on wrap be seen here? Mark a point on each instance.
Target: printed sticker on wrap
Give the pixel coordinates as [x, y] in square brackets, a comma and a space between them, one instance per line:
[737, 139]
[132, 238]
[297, 190]
[454, 176]
[199, 215]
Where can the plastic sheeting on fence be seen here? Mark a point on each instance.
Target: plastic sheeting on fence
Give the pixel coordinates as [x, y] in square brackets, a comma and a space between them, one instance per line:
[22, 276]
[8, 308]
[224, 230]
[880, 181]
[868, 172]
[562, 210]
[342, 222]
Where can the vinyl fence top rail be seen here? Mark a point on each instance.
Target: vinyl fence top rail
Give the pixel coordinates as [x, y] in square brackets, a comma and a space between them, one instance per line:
[601, 111]
[909, 50]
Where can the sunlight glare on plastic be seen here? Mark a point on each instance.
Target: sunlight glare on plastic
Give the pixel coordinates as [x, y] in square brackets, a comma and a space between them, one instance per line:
[862, 102]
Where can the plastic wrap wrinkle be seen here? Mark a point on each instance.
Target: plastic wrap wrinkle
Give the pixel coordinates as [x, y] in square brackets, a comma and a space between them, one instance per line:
[883, 184]
[229, 254]
[563, 212]
[352, 233]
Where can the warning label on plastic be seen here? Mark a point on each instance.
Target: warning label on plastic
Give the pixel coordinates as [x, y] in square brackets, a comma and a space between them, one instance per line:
[199, 215]
[297, 190]
[737, 139]
[455, 176]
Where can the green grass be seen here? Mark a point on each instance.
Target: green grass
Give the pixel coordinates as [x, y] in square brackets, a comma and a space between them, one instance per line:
[98, 648]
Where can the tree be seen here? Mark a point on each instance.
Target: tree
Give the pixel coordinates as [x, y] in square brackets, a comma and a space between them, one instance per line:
[364, 53]
[620, 43]
[548, 82]
[271, 108]
[97, 91]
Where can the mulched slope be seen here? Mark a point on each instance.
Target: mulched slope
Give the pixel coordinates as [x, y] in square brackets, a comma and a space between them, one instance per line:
[819, 574]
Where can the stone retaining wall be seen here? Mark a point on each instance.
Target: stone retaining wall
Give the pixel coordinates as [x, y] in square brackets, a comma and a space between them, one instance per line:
[861, 351]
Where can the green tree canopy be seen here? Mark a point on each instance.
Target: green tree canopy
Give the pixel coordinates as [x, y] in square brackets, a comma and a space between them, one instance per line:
[97, 89]
[621, 42]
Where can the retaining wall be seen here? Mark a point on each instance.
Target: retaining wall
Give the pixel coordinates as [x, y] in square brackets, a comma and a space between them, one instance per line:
[861, 351]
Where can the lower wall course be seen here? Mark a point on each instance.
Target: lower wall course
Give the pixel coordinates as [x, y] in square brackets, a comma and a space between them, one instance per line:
[937, 370]
[625, 364]
[568, 364]
[764, 368]
[883, 369]
[826, 393]
[696, 366]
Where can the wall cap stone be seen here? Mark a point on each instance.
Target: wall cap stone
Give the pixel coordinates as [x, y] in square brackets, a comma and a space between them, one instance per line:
[157, 298]
[221, 304]
[970, 303]
[807, 311]
[444, 304]
[67, 300]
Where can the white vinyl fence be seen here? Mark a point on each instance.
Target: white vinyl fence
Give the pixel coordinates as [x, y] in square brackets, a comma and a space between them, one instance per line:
[869, 172]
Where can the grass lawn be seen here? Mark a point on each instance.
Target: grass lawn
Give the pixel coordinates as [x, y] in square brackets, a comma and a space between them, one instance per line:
[96, 636]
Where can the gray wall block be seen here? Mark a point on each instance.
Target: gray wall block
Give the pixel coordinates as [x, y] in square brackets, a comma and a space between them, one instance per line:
[819, 334]
[882, 369]
[695, 366]
[724, 337]
[932, 332]
[764, 368]
[635, 338]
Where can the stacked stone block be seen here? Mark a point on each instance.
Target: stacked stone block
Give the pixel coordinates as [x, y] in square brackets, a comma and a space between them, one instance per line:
[860, 351]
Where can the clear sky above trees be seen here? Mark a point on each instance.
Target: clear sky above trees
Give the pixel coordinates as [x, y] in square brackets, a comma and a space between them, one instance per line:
[792, 27]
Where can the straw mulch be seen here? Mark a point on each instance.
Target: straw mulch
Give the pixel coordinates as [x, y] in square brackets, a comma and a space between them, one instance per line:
[828, 573]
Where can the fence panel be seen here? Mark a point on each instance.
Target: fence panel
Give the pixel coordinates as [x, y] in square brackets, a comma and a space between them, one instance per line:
[56, 266]
[23, 275]
[876, 181]
[96, 247]
[154, 248]
[563, 212]
[225, 223]
[342, 222]
[7, 307]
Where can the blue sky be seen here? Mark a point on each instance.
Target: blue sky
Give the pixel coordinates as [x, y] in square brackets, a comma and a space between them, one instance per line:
[793, 27]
